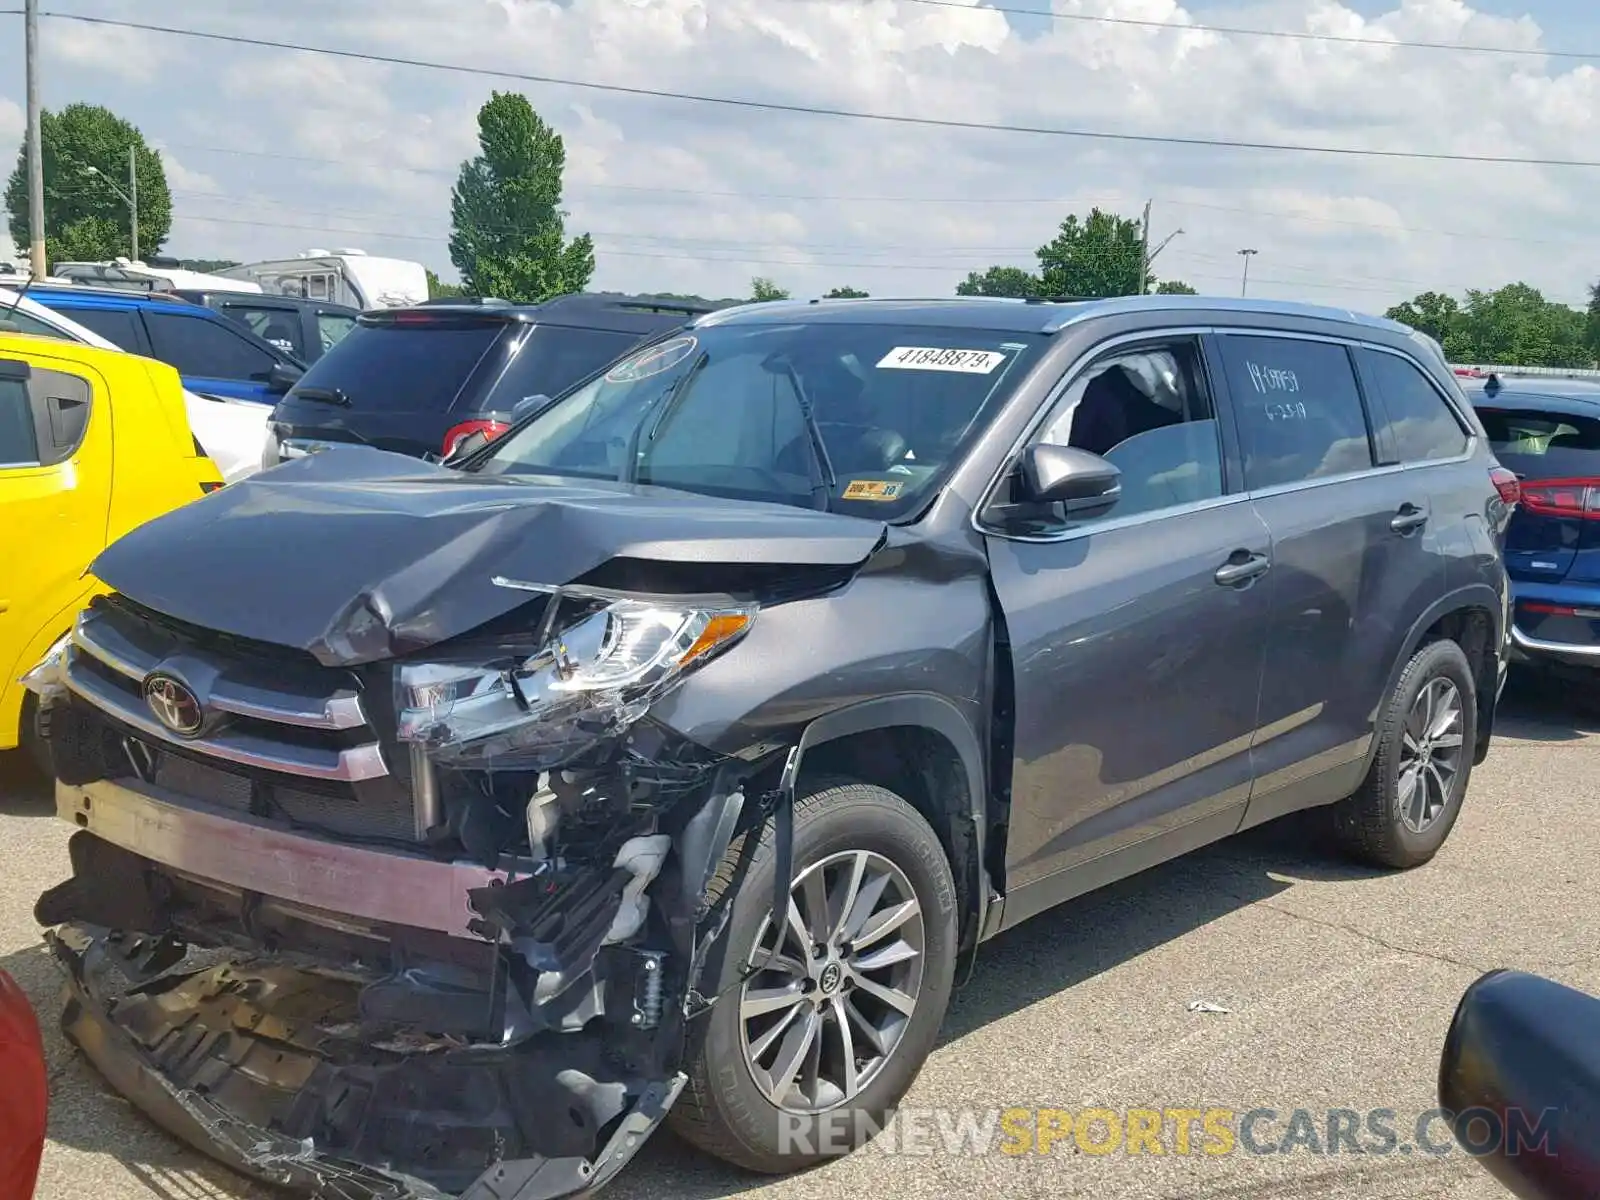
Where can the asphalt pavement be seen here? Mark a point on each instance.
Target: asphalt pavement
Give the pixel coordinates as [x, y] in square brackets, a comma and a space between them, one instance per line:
[1260, 976]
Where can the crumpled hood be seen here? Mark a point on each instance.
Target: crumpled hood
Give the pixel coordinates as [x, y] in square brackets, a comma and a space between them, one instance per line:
[356, 555]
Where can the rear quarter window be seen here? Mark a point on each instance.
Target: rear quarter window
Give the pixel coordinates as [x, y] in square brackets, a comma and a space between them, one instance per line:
[1411, 416]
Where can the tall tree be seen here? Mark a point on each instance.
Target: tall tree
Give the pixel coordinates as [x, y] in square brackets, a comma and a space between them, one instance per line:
[1432, 313]
[85, 152]
[1594, 319]
[1100, 256]
[508, 235]
[1011, 282]
[763, 289]
[845, 293]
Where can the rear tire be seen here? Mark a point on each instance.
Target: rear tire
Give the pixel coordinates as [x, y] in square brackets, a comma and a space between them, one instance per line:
[1426, 735]
[842, 830]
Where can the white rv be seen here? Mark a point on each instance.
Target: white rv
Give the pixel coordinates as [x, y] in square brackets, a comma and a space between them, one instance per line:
[351, 277]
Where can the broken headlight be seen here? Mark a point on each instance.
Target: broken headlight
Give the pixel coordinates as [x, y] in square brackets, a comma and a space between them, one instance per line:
[592, 678]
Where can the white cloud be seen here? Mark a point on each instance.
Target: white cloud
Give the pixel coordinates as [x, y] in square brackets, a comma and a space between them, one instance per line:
[699, 197]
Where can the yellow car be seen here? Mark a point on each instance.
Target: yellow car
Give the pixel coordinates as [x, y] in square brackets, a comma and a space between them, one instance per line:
[92, 443]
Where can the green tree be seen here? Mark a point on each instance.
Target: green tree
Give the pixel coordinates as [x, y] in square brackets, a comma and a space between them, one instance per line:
[209, 264]
[845, 293]
[1174, 287]
[1432, 313]
[1012, 282]
[508, 231]
[1594, 320]
[1101, 256]
[762, 289]
[437, 289]
[84, 218]
[1517, 326]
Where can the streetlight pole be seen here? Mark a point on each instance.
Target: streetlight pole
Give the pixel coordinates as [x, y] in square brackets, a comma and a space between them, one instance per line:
[133, 199]
[1244, 286]
[35, 142]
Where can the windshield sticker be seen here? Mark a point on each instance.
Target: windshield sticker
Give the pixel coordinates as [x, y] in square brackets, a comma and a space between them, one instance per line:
[935, 358]
[872, 489]
[653, 361]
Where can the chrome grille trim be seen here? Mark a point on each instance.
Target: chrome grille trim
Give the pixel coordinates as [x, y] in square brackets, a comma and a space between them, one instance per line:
[95, 636]
[351, 765]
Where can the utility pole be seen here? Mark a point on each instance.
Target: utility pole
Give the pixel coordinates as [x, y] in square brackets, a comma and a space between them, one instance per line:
[1244, 286]
[35, 142]
[133, 199]
[1144, 252]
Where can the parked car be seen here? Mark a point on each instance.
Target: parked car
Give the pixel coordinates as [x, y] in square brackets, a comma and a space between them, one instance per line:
[24, 1093]
[1547, 430]
[213, 354]
[231, 432]
[673, 749]
[420, 380]
[303, 329]
[92, 442]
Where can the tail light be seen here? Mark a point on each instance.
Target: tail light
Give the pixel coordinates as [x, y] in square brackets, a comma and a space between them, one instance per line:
[458, 433]
[1507, 484]
[1563, 498]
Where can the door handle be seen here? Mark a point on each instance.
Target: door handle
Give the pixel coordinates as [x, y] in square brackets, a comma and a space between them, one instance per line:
[1242, 568]
[1409, 519]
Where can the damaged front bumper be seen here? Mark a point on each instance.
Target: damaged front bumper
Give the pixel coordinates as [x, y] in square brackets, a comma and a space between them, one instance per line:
[239, 1062]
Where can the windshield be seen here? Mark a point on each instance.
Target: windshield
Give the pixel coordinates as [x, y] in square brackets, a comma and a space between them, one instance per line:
[852, 418]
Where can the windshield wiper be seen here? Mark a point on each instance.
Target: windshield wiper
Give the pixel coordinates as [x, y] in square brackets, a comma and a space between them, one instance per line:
[323, 395]
[663, 406]
[827, 481]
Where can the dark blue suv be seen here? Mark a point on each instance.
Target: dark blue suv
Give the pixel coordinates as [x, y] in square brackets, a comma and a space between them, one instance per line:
[214, 354]
[1547, 430]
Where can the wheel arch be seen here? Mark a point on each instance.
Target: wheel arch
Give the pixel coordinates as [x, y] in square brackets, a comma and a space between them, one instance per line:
[922, 747]
[1472, 617]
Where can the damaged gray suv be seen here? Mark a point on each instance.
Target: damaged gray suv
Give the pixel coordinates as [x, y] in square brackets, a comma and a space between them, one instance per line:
[445, 828]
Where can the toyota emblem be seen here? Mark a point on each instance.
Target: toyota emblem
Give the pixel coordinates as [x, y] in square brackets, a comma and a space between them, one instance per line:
[174, 705]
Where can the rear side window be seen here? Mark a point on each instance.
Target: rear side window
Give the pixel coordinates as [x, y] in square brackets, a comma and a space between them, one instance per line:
[119, 326]
[403, 367]
[205, 348]
[1421, 426]
[552, 359]
[332, 327]
[1544, 444]
[280, 326]
[1298, 408]
[28, 323]
[19, 445]
[43, 415]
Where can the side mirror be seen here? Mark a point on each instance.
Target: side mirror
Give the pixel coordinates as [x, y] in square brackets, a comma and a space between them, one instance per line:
[282, 377]
[527, 405]
[1084, 484]
[1519, 1081]
[474, 441]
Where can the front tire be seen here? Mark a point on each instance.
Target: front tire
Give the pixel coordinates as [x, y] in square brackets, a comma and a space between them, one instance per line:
[1412, 795]
[806, 1059]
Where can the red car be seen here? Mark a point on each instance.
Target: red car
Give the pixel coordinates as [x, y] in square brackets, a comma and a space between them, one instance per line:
[24, 1093]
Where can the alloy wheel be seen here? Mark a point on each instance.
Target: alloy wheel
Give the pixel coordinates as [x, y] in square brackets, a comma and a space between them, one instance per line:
[820, 1018]
[1430, 754]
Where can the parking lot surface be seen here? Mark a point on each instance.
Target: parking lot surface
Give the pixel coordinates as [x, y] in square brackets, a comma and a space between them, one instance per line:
[1335, 987]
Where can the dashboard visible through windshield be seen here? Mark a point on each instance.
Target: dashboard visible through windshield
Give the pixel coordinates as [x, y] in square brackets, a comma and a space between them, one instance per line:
[847, 417]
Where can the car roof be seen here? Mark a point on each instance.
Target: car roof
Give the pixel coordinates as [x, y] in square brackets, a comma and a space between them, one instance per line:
[1535, 393]
[1024, 316]
[103, 297]
[643, 313]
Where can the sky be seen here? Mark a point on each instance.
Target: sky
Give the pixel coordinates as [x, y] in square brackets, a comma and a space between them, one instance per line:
[270, 152]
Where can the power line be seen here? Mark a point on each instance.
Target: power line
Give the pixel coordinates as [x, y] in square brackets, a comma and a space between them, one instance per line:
[822, 111]
[1285, 34]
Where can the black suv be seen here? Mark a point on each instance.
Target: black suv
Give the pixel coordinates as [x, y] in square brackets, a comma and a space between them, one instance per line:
[306, 329]
[422, 380]
[671, 752]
